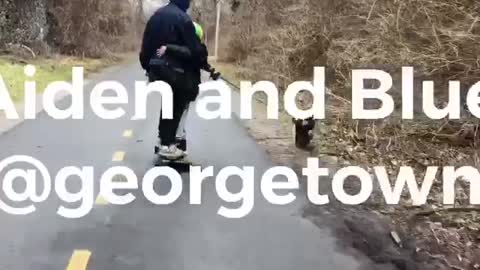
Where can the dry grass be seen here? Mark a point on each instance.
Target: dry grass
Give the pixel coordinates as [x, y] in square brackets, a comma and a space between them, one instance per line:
[57, 68]
[281, 45]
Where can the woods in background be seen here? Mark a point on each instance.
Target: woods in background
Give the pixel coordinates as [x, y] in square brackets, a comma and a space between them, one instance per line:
[90, 28]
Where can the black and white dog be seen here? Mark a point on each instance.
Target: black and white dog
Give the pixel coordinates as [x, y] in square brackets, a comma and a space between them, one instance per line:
[303, 131]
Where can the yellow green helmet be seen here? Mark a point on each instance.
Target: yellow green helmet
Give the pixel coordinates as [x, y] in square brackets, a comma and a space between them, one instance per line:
[198, 30]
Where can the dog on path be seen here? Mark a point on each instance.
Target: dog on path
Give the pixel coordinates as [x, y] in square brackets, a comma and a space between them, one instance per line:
[303, 131]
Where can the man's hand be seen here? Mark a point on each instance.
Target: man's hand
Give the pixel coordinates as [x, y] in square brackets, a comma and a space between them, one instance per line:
[214, 75]
[161, 51]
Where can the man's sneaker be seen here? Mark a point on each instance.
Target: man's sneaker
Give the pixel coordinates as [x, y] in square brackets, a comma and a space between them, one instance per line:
[171, 152]
[181, 144]
[158, 146]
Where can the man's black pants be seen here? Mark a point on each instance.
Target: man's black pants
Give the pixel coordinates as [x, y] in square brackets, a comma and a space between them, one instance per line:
[167, 128]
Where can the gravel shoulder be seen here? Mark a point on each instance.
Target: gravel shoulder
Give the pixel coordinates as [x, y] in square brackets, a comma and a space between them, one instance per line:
[364, 229]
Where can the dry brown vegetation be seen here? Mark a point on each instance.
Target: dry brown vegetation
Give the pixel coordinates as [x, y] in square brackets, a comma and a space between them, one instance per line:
[284, 39]
[94, 28]
[90, 28]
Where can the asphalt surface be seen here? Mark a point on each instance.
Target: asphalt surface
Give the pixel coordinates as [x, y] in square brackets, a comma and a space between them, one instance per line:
[144, 236]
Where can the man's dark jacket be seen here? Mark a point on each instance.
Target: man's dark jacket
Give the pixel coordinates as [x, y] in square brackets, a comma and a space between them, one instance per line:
[172, 25]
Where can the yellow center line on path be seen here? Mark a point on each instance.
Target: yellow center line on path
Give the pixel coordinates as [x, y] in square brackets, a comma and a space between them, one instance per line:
[79, 260]
[101, 200]
[128, 133]
[118, 156]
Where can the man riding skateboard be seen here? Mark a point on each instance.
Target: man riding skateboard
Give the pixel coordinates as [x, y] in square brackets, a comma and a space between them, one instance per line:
[171, 25]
